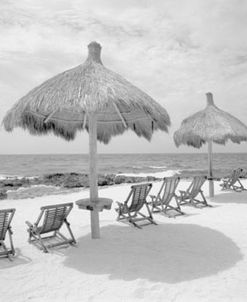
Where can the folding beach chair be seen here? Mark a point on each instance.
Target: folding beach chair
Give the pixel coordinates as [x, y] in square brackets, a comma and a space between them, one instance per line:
[50, 220]
[130, 209]
[6, 217]
[162, 203]
[190, 195]
[233, 182]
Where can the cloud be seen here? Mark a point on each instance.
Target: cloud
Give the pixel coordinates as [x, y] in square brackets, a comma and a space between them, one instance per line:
[174, 50]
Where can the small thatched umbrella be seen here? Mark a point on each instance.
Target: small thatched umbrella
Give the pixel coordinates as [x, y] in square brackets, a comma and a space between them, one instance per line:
[89, 97]
[208, 126]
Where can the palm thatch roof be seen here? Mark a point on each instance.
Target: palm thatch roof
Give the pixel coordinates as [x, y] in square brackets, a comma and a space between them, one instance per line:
[62, 104]
[210, 124]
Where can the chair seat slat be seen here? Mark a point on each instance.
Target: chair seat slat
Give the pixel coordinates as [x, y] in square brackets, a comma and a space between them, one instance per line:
[162, 202]
[54, 216]
[195, 189]
[130, 210]
[6, 216]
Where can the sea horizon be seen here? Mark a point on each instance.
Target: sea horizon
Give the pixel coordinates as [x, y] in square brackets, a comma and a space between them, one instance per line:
[120, 163]
[85, 153]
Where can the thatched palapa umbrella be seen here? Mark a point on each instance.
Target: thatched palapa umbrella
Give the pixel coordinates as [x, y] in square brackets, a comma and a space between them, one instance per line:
[208, 126]
[89, 97]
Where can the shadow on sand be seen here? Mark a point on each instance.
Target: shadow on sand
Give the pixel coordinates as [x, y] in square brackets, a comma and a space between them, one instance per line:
[231, 197]
[169, 253]
[16, 260]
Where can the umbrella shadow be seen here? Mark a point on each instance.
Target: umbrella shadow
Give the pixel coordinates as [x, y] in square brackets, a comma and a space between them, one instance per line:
[231, 197]
[170, 253]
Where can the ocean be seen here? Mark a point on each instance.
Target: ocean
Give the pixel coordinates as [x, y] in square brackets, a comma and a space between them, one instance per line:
[154, 164]
[157, 165]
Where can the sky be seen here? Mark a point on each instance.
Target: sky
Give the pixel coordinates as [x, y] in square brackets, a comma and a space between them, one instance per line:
[174, 50]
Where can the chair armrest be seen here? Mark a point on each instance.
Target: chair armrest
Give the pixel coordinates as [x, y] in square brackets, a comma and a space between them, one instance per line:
[10, 230]
[224, 182]
[153, 197]
[29, 224]
[121, 206]
[182, 192]
[225, 179]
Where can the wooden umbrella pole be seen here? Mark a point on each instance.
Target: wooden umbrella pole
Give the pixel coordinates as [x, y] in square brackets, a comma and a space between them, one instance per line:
[93, 177]
[210, 170]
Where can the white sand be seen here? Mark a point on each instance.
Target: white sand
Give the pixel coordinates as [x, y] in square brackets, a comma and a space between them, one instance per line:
[197, 257]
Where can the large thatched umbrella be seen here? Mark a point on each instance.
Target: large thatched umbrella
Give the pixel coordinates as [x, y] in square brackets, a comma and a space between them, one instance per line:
[208, 126]
[89, 97]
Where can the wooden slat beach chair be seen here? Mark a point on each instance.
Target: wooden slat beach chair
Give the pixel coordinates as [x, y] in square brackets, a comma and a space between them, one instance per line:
[6, 216]
[163, 201]
[190, 196]
[233, 182]
[136, 200]
[50, 220]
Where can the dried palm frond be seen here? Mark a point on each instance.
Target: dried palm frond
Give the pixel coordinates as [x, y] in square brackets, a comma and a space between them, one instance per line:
[62, 104]
[210, 124]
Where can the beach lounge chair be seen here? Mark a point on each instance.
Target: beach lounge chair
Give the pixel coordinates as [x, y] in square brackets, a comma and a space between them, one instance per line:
[162, 202]
[136, 200]
[233, 182]
[191, 195]
[6, 217]
[50, 220]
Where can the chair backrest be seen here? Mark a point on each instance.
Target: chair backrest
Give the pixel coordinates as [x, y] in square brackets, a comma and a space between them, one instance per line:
[138, 196]
[167, 190]
[234, 176]
[53, 217]
[196, 185]
[6, 217]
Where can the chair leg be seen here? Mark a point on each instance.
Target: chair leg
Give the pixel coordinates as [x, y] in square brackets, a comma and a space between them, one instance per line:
[6, 252]
[204, 200]
[242, 188]
[30, 235]
[119, 215]
[135, 224]
[178, 206]
[45, 250]
[133, 218]
[149, 218]
[70, 231]
[168, 206]
[150, 215]
[65, 239]
[130, 220]
[11, 242]
[155, 209]
[182, 200]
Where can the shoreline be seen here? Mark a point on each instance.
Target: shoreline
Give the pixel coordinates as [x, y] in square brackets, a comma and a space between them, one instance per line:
[60, 183]
[64, 183]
